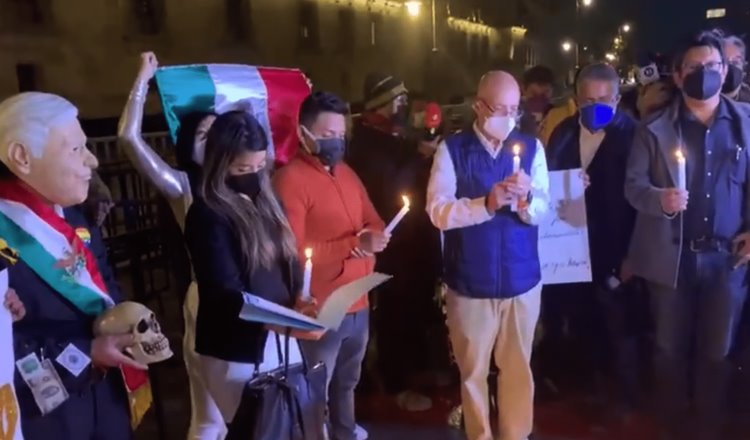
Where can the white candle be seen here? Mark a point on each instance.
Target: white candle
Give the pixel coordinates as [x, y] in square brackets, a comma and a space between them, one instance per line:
[681, 173]
[516, 169]
[392, 225]
[308, 274]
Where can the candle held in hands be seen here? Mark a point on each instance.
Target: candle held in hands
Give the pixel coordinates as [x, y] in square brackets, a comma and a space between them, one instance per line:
[307, 275]
[681, 172]
[516, 158]
[516, 169]
[392, 225]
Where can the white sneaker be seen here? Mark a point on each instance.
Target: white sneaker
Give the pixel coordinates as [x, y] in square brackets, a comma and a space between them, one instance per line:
[413, 401]
[360, 432]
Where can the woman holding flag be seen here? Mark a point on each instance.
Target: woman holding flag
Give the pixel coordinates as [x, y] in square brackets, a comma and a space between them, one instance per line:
[188, 128]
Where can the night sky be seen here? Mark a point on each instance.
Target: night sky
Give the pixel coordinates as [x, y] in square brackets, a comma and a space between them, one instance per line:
[657, 24]
[661, 23]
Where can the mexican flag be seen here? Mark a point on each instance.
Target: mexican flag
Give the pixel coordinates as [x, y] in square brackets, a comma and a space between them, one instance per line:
[272, 95]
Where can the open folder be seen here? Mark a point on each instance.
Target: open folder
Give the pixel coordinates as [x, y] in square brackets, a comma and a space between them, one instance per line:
[331, 313]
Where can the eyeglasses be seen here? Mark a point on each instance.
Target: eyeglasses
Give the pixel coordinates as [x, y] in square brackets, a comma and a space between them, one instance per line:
[501, 110]
[602, 100]
[711, 65]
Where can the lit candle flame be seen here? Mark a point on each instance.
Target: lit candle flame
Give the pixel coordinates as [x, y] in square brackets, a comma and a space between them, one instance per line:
[406, 201]
[679, 154]
[308, 253]
[516, 150]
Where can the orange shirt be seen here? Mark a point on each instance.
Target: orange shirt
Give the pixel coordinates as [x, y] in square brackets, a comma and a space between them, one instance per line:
[326, 212]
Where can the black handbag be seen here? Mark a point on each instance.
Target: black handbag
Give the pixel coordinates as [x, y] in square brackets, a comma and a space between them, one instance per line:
[286, 403]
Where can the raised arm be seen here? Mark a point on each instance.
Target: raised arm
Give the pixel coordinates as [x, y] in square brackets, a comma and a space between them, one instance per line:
[171, 183]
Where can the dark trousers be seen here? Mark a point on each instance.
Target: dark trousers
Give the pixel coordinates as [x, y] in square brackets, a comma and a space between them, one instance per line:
[695, 330]
[594, 332]
[342, 351]
[99, 413]
[405, 316]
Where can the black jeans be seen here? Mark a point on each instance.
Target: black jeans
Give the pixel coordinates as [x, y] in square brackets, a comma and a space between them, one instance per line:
[695, 330]
[592, 331]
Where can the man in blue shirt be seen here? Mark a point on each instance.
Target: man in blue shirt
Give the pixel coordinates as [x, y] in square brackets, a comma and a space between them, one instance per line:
[693, 250]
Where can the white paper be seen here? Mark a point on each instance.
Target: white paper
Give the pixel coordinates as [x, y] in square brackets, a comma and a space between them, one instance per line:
[73, 360]
[563, 233]
[257, 309]
[330, 316]
[334, 309]
[7, 365]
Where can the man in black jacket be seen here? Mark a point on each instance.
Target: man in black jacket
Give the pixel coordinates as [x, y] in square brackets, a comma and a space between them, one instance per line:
[597, 139]
[391, 166]
[70, 384]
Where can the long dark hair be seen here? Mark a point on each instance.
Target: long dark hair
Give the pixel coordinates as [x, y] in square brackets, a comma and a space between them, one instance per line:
[185, 146]
[260, 224]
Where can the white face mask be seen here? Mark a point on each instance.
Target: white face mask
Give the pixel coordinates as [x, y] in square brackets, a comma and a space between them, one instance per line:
[499, 127]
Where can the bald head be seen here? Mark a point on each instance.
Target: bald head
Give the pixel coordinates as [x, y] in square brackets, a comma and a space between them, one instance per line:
[497, 82]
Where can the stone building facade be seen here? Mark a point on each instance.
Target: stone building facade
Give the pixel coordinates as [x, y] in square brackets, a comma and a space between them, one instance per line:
[87, 50]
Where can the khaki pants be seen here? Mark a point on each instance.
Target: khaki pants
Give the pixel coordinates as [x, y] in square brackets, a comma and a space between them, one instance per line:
[479, 329]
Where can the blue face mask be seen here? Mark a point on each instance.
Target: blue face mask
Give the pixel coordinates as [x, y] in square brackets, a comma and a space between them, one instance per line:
[596, 116]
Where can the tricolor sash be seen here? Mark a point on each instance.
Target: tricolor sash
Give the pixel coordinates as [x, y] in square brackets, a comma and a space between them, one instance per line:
[57, 253]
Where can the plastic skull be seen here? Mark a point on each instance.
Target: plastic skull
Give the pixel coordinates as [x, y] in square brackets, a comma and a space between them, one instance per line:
[151, 345]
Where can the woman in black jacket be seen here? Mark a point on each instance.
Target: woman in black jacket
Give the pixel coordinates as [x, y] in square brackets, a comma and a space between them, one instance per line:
[239, 241]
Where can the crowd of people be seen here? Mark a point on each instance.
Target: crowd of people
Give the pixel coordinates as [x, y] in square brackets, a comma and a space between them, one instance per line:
[666, 178]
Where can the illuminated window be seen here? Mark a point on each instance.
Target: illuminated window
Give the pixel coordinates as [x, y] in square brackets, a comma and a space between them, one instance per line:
[716, 13]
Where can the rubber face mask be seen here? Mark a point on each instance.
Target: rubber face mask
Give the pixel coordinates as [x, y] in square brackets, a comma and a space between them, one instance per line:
[702, 84]
[499, 127]
[596, 116]
[734, 78]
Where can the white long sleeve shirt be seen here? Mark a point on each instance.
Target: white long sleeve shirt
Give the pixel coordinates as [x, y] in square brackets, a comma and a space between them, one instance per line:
[447, 212]
[589, 144]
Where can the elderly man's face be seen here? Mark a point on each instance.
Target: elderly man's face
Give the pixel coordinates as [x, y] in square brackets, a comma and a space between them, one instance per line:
[62, 173]
[497, 97]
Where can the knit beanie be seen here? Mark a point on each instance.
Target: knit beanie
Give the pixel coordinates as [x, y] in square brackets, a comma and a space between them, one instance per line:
[380, 89]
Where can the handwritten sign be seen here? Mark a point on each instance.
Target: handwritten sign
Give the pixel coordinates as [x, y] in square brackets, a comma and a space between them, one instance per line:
[563, 234]
[10, 416]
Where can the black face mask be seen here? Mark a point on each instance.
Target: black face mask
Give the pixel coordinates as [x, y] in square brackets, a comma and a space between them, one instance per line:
[401, 117]
[702, 84]
[734, 78]
[247, 184]
[330, 151]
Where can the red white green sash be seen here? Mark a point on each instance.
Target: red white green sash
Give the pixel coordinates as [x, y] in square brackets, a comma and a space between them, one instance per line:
[60, 256]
